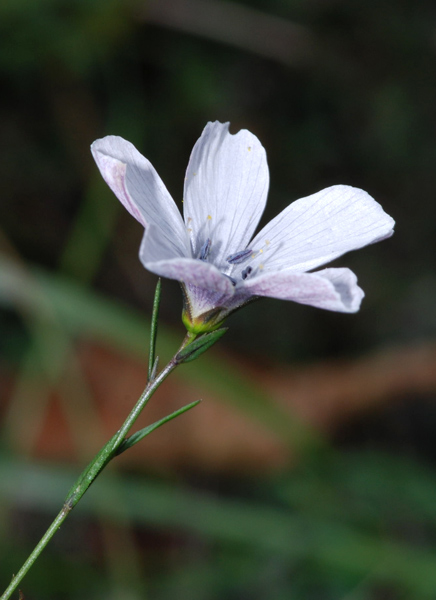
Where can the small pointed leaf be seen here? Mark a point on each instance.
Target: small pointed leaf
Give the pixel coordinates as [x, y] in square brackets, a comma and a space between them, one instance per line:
[139, 435]
[200, 345]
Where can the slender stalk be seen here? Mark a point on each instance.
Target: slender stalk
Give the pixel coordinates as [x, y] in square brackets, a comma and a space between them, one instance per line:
[106, 454]
[36, 552]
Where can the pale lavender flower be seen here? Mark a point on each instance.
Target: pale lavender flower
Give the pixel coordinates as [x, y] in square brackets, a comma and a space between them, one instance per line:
[211, 251]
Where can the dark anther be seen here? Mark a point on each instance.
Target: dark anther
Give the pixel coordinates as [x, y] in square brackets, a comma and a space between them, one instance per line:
[239, 257]
[246, 272]
[205, 249]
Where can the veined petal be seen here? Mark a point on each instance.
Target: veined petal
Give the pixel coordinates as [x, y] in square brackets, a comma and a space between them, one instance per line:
[202, 301]
[315, 230]
[331, 289]
[139, 188]
[226, 187]
[158, 258]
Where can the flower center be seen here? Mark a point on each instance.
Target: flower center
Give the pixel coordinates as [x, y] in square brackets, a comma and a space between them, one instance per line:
[240, 257]
[237, 258]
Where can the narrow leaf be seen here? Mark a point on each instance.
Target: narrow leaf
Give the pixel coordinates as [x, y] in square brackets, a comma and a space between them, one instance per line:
[154, 369]
[200, 345]
[139, 435]
[153, 330]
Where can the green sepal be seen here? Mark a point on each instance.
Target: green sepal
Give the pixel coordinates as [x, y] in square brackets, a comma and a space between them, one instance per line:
[208, 321]
[199, 345]
[139, 435]
[205, 323]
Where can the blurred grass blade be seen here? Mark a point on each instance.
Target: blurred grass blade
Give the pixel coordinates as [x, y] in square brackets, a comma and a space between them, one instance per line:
[258, 528]
[140, 435]
[153, 329]
[90, 233]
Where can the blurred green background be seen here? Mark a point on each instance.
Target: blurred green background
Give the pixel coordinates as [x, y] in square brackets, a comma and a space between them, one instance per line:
[314, 474]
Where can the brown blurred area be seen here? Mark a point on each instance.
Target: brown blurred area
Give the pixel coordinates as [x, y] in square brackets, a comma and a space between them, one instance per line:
[215, 437]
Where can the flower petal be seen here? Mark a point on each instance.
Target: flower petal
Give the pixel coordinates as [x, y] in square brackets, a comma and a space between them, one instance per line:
[332, 289]
[139, 188]
[226, 187]
[315, 230]
[158, 258]
[202, 301]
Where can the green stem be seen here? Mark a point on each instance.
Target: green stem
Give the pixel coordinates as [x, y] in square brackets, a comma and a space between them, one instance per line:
[36, 552]
[106, 454]
[148, 392]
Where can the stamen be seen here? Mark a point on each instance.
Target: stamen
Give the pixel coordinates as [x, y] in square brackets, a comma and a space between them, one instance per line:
[205, 249]
[246, 272]
[238, 257]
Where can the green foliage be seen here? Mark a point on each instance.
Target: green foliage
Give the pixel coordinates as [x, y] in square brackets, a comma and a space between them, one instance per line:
[73, 35]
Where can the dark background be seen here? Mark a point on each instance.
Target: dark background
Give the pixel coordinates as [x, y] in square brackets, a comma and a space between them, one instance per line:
[340, 508]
